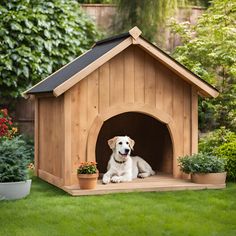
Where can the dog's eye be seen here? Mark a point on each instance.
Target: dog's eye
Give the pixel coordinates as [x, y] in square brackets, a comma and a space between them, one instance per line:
[120, 143]
[127, 143]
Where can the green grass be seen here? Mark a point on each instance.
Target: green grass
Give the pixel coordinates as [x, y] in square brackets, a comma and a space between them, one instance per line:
[50, 211]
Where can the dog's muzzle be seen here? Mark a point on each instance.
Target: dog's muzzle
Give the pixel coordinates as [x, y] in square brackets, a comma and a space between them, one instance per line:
[126, 152]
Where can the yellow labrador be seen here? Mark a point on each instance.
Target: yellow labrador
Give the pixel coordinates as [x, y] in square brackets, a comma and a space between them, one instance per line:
[121, 166]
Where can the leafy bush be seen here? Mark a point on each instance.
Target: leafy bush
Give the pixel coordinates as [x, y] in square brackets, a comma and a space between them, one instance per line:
[38, 37]
[228, 152]
[14, 160]
[214, 139]
[209, 50]
[201, 163]
[29, 146]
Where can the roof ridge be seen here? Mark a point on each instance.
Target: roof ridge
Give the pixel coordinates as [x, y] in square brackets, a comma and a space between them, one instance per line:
[112, 38]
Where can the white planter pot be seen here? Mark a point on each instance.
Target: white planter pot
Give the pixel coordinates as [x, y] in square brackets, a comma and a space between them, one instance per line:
[14, 190]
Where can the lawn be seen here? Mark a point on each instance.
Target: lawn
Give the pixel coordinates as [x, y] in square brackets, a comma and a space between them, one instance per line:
[50, 211]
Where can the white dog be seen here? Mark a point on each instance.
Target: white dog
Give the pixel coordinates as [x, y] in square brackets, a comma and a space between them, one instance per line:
[121, 166]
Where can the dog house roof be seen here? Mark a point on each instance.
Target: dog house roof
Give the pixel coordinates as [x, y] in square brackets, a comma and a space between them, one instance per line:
[70, 74]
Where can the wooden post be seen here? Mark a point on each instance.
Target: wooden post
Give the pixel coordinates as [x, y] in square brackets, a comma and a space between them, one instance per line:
[66, 162]
[194, 121]
[36, 135]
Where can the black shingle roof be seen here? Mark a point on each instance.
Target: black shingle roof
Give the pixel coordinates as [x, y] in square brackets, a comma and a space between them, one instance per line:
[100, 48]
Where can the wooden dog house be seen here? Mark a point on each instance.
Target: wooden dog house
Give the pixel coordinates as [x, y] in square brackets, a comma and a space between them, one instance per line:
[124, 85]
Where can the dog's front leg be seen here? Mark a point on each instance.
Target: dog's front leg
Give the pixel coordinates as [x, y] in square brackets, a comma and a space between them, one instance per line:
[107, 177]
[122, 178]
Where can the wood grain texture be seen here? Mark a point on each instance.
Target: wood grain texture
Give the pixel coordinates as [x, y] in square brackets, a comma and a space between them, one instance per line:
[194, 120]
[139, 75]
[150, 81]
[129, 84]
[51, 140]
[132, 82]
[104, 85]
[36, 136]
[66, 162]
[156, 183]
[117, 80]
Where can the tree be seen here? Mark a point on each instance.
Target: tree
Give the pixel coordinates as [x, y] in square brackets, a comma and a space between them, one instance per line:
[148, 15]
[38, 37]
[209, 50]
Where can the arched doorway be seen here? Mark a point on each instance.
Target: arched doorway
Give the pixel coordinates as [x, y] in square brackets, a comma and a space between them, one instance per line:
[152, 140]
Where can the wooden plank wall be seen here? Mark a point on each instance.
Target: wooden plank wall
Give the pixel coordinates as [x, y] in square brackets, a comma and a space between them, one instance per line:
[51, 135]
[132, 76]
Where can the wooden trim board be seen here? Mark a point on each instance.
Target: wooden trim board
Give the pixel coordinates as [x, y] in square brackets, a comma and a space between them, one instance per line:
[183, 73]
[50, 178]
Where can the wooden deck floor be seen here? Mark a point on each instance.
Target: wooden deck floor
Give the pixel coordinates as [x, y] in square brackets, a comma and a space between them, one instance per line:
[151, 184]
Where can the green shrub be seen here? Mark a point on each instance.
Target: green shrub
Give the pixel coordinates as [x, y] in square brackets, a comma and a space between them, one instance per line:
[38, 37]
[29, 146]
[214, 139]
[201, 163]
[14, 160]
[228, 152]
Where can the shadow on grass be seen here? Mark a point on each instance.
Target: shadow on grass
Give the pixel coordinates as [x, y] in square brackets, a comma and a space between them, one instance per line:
[41, 187]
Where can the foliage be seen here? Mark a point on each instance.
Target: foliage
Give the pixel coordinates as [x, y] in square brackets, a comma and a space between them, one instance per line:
[31, 170]
[203, 3]
[38, 37]
[228, 152]
[7, 130]
[96, 1]
[29, 145]
[87, 168]
[209, 50]
[201, 163]
[148, 15]
[14, 158]
[221, 143]
[212, 140]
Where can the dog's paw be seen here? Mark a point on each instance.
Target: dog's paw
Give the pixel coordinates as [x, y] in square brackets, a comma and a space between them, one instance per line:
[115, 179]
[143, 175]
[106, 180]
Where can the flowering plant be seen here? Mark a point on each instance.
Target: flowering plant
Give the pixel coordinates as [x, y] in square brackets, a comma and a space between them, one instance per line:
[31, 169]
[87, 168]
[6, 126]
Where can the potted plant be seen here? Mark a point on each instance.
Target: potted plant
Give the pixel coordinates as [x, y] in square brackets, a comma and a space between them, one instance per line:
[14, 160]
[204, 168]
[87, 175]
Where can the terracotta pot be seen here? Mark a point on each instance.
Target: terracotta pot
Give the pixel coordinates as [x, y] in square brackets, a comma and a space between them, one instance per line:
[209, 178]
[88, 181]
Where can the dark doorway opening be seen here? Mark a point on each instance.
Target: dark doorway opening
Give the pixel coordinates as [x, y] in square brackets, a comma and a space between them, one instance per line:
[152, 140]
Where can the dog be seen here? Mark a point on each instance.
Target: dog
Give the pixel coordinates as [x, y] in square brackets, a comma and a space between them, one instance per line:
[121, 166]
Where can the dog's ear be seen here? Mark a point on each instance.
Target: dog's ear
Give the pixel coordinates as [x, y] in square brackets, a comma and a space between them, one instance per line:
[131, 141]
[112, 142]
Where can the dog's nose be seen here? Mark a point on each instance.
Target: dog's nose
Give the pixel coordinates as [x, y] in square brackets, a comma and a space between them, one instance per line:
[126, 151]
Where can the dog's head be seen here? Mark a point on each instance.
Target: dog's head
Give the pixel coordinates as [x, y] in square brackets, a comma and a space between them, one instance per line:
[121, 145]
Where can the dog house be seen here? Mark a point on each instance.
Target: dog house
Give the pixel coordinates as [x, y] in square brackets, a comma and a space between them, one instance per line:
[123, 85]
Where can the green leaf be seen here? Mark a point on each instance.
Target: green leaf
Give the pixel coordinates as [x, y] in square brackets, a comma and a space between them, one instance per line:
[28, 23]
[16, 27]
[47, 34]
[26, 71]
